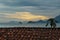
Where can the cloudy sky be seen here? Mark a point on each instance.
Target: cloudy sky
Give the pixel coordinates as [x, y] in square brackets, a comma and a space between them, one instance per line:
[18, 10]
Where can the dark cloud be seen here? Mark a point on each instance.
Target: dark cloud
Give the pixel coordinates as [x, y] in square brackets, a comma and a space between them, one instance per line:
[19, 3]
[31, 2]
[38, 4]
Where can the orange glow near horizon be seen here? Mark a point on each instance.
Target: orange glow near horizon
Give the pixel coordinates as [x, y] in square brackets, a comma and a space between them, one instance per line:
[27, 16]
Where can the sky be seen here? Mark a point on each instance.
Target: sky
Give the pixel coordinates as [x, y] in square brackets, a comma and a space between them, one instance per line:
[18, 10]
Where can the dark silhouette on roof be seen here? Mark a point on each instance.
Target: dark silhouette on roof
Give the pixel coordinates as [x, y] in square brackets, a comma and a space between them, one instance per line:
[52, 22]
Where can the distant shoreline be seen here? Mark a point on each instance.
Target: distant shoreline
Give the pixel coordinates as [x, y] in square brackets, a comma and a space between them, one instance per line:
[29, 28]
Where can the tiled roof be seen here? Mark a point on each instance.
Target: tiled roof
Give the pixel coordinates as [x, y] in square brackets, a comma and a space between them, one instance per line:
[29, 34]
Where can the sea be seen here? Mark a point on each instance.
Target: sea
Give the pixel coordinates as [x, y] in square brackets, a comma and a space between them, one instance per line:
[42, 25]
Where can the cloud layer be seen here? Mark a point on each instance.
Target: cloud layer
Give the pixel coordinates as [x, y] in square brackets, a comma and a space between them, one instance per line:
[15, 5]
[36, 8]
